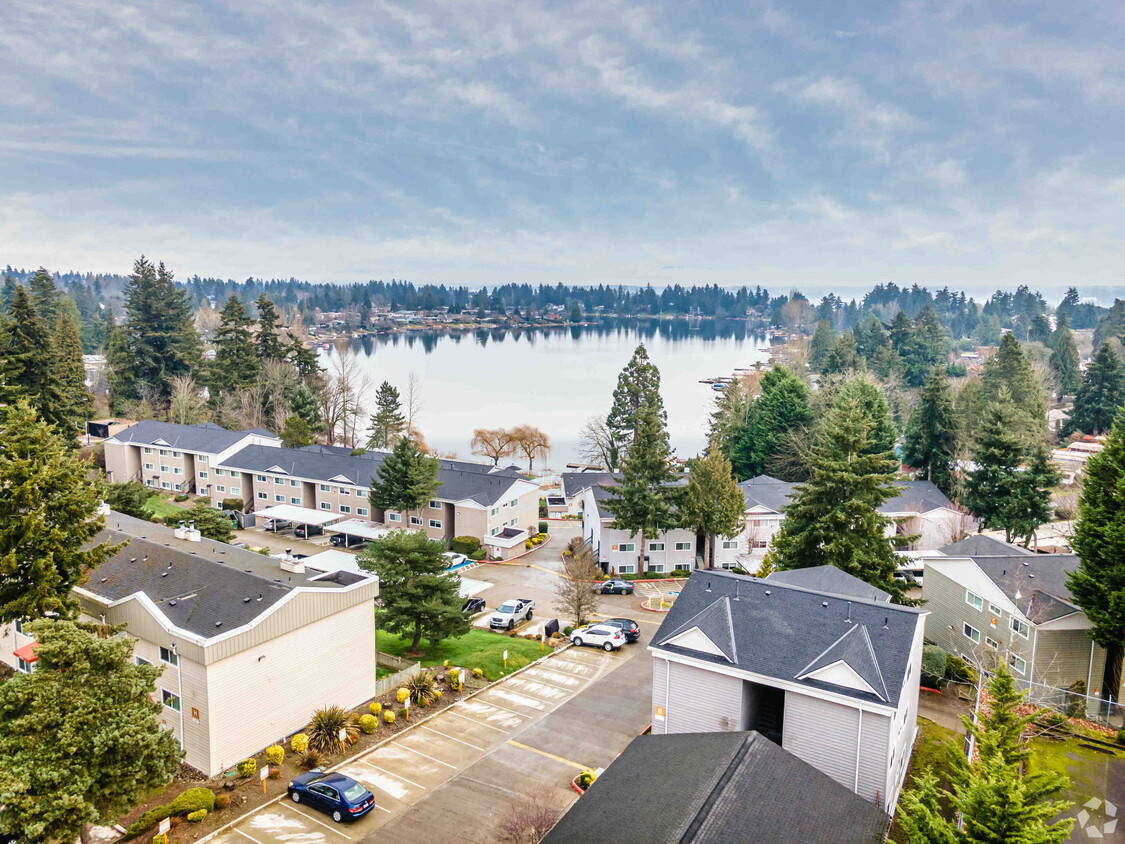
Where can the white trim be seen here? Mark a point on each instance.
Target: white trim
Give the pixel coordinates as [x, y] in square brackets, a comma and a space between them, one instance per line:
[848, 677]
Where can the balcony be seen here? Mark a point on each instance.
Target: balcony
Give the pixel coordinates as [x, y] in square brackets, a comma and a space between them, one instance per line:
[509, 537]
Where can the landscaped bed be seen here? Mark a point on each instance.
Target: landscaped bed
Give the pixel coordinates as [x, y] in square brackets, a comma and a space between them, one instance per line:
[476, 649]
[162, 505]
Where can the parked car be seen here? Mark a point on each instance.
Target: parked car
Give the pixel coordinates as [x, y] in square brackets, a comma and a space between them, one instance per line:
[335, 794]
[346, 540]
[512, 612]
[277, 524]
[600, 636]
[629, 627]
[614, 587]
[453, 559]
[473, 606]
[305, 531]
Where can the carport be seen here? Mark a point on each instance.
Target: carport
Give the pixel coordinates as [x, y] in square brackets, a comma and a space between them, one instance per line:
[360, 528]
[297, 515]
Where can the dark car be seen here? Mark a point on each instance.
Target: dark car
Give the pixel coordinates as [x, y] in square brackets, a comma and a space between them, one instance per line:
[344, 540]
[614, 587]
[629, 627]
[305, 531]
[334, 794]
[473, 606]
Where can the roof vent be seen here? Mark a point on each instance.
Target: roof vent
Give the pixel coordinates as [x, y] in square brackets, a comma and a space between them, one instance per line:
[824, 603]
[1025, 562]
[708, 585]
[767, 591]
[848, 620]
[104, 579]
[218, 624]
[163, 574]
[886, 621]
[246, 600]
[132, 559]
[172, 603]
[736, 597]
[1031, 575]
[259, 596]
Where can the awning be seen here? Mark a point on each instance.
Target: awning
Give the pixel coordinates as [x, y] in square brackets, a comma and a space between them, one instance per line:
[360, 528]
[27, 652]
[300, 515]
[332, 560]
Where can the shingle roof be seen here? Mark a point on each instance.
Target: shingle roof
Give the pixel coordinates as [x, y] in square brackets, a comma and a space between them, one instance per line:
[912, 497]
[986, 546]
[459, 480]
[1038, 579]
[716, 788]
[764, 491]
[779, 630]
[206, 437]
[853, 649]
[575, 482]
[830, 580]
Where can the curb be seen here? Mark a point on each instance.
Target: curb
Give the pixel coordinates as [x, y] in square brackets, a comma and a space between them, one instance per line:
[526, 551]
[387, 740]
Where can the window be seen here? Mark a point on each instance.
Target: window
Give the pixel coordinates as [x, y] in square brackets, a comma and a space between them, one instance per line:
[140, 661]
[24, 666]
[361, 493]
[325, 488]
[361, 511]
[220, 472]
[435, 523]
[514, 502]
[656, 546]
[236, 490]
[166, 485]
[1020, 627]
[415, 520]
[19, 626]
[683, 546]
[494, 511]
[435, 505]
[344, 508]
[202, 474]
[394, 517]
[992, 643]
[148, 481]
[1018, 665]
[148, 451]
[280, 499]
[324, 505]
[345, 491]
[656, 567]
[163, 452]
[220, 488]
[177, 471]
[148, 466]
[295, 500]
[995, 610]
[626, 569]
[728, 544]
[261, 478]
[164, 468]
[627, 546]
[759, 543]
[971, 632]
[179, 486]
[294, 482]
[263, 495]
[169, 657]
[176, 454]
[279, 481]
[170, 700]
[202, 458]
[973, 600]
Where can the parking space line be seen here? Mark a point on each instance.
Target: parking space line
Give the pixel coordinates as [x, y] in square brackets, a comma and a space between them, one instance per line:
[451, 738]
[570, 762]
[475, 721]
[244, 835]
[548, 685]
[420, 753]
[525, 693]
[501, 708]
[389, 774]
[550, 672]
[314, 820]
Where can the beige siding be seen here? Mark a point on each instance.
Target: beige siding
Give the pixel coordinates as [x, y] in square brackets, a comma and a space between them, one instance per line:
[122, 461]
[267, 692]
[661, 668]
[824, 734]
[1063, 656]
[873, 751]
[945, 599]
[702, 701]
[470, 521]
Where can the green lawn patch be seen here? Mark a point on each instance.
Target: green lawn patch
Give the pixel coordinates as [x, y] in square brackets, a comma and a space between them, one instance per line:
[476, 649]
[381, 672]
[929, 758]
[161, 505]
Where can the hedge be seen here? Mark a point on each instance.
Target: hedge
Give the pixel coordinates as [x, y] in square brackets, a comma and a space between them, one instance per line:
[247, 767]
[464, 544]
[542, 527]
[189, 801]
[479, 554]
[197, 816]
[299, 743]
[275, 754]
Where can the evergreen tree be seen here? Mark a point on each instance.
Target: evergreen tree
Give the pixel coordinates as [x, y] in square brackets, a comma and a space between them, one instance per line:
[781, 410]
[295, 433]
[70, 373]
[928, 348]
[821, 344]
[871, 339]
[875, 409]
[48, 504]
[1111, 325]
[406, 479]
[129, 498]
[44, 296]
[160, 327]
[387, 423]
[643, 500]
[637, 385]
[1100, 395]
[1000, 491]
[1009, 370]
[26, 359]
[931, 436]
[266, 342]
[833, 518]
[303, 403]
[110, 325]
[7, 293]
[1098, 585]
[418, 596]
[712, 502]
[1040, 330]
[236, 364]
[1064, 358]
[842, 357]
[303, 359]
[119, 360]
[730, 416]
[80, 737]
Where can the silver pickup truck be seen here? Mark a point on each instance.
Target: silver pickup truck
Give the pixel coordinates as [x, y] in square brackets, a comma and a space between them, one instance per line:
[512, 612]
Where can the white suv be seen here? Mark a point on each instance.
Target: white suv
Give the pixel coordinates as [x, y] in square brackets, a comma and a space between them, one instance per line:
[600, 636]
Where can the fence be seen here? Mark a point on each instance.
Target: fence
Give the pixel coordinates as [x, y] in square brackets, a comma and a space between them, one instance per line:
[406, 670]
[1075, 705]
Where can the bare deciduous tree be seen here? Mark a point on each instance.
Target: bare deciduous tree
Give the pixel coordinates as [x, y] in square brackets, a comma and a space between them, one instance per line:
[493, 443]
[413, 398]
[343, 397]
[186, 405]
[532, 442]
[575, 597]
[528, 819]
[595, 443]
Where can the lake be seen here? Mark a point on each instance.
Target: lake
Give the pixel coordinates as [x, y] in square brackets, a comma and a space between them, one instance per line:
[555, 378]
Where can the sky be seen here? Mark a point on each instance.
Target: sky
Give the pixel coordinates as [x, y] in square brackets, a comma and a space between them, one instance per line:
[818, 145]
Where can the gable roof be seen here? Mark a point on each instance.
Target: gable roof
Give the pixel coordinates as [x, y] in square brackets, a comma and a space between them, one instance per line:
[831, 581]
[780, 631]
[206, 437]
[912, 497]
[985, 546]
[765, 491]
[716, 788]
[576, 482]
[1039, 581]
[458, 480]
[854, 650]
[713, 622]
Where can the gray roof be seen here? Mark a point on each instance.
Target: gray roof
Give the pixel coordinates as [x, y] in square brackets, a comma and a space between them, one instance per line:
[831, 581]
[459, 480]
[1038, 579]
[986, 546]
[716, 788]
[205, 587]
[206, 437]
[778, 630]
[764, 491]
[576, 482]
[913, 496]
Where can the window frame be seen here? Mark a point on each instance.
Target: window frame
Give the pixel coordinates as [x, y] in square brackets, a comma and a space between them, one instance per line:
[170, 700]
[965, 628]
[169, 656]
[978, 604]
[1017, 624]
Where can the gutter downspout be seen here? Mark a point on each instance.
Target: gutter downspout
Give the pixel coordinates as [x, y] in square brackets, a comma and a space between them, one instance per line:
[667, 681]
[1034, 645]
[858, 745]
[180, 695]
[1090, 674]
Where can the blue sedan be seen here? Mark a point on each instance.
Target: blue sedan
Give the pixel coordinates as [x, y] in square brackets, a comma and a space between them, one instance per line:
[335, 794]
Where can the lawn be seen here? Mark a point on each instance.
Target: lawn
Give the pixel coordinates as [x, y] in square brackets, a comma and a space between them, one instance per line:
[162, 505]
[476, 649]
[929, 757]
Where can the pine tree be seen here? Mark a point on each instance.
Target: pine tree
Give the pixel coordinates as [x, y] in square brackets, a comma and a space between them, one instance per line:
[7, 293]
[1111, 325]
[875, 409]
[637, 385]
[70, 373]
[821, 344]
[931, 435]
[1098, 585]
[1010, 370]
[643, 500]
[406, 479]
[1064, 358]
[80, 737]
[235, 364]
[387, 423]
[833, 518]
[842, 357]
[295, 433]
[303, 403]
[1100, 395]
[26, 363]
[781, 410]
[48, 505]
[160, 329]
[44, 296]
[110, 324]
[712, 502]
[266, 341]
[418, 597]
[303, 359]
[122, 371]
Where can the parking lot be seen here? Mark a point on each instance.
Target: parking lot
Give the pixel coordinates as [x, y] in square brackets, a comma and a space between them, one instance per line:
[405, 770]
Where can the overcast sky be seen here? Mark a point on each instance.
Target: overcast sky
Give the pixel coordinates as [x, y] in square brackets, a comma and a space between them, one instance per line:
[828, 144]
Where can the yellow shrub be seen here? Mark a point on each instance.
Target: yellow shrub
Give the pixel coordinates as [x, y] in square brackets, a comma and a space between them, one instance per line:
[445, 664]
[454, 673]
[368, 723]
[477, 672]
[299, 743]
[389, 717]
[437, 694]
[375, 707]
[197, 816]
[275, 754]
[247, 767]
[402, 695]
[160, 838]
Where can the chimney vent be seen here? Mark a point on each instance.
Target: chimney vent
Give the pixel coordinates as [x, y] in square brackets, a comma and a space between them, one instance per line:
[824, 603]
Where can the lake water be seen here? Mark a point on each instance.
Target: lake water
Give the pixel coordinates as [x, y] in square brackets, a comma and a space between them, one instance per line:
[555, 379]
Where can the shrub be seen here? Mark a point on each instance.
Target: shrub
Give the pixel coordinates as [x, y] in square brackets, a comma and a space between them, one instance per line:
[324, 729]
[479, 554]
[389, 717]
[576, 545]
[247, 767]
[311, 759]
[275, 754]
[527, 544]
[542, 527]
[454, 673]
[437, 694]
[375, 707]
[197, 816]
[160, 838]
[368, 723]
[933, 665]
[464, 544]
[959, 671]
[275, 773]
[404, 712]
[235, 505]
[299, 743]
[402, 694]
[222, 801]
[586, 779]
[1121, 736]
[445, 664]
[185, 803]
[180, 497]
[477, 672]
[568, 630]
[421, 687]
